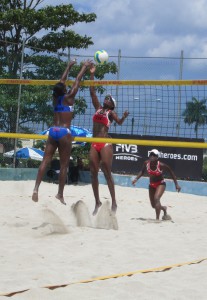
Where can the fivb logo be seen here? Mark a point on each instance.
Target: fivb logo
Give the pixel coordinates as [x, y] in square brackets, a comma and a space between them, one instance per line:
[126, 152]
[126, 148]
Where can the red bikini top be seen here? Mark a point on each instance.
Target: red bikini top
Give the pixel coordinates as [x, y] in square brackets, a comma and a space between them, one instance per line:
[102, 117]
[156, 172]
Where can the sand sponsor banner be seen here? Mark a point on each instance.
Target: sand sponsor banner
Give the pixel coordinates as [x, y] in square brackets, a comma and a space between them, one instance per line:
[186, 162]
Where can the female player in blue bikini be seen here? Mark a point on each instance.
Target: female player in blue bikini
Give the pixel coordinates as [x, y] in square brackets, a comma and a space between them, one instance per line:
[59, 134]
[157, 184]
[101, 154]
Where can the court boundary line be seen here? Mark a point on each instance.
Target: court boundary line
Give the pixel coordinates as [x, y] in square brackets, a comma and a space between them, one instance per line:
[142, 271]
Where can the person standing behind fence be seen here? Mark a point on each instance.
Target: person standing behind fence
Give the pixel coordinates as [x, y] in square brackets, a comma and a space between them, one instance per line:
[101, 154]
[157, 184]
[59, 134]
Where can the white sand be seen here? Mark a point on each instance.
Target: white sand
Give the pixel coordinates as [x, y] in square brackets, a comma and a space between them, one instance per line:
[47, 243]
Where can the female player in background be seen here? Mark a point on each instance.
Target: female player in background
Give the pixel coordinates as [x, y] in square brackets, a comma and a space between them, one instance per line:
[157, 184]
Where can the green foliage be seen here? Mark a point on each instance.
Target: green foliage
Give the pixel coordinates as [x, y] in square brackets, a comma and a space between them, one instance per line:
[83, 153]
[195, 112]
[45, 32]
[101, 70]
[204, 171]
[80, 106]
[23, 19]
[40, 144]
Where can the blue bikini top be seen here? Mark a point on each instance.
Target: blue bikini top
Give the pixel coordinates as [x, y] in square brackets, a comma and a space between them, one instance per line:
[62, 108]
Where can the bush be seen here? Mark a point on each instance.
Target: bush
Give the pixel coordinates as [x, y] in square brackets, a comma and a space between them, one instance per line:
[204, 172]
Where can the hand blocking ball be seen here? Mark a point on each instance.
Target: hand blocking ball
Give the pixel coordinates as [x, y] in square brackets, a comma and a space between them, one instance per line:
[101, 57]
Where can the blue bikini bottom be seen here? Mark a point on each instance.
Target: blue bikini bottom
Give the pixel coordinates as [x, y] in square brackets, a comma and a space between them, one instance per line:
[58, 132]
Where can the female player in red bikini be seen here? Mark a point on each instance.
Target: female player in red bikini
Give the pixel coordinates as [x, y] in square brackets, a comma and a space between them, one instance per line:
[101, 154]
[157, 184]
[59, 134]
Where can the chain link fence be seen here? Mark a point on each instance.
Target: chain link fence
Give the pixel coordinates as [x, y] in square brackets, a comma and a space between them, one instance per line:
[155, 110]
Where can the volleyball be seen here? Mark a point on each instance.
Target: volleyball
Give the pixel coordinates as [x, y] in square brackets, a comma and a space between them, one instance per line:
[101, 56]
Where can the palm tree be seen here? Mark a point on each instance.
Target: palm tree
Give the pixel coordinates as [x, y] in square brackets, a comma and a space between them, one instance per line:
[195, 112]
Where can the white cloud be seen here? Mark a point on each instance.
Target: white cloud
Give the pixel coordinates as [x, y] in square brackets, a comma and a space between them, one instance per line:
[144, 27]
[143, 23]
[170, 47]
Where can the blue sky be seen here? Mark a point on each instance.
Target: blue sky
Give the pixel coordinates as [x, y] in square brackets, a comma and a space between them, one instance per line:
[147, 28]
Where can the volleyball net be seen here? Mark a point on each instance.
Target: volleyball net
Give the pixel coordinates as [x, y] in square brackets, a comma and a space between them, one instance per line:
[156, 108]
[167, 115]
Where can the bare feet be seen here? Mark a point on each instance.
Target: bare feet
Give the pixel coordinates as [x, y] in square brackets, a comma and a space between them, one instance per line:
[35, 196]
[166, 218]
[164, 208]
[96, 208]
[114, 207]
[60, 198]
